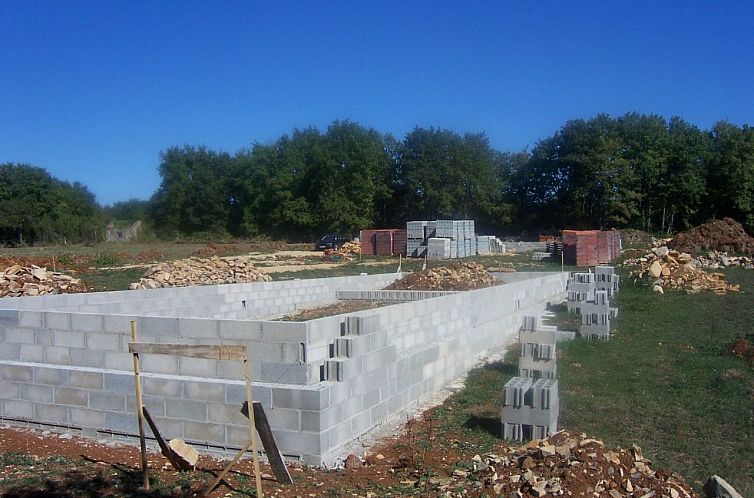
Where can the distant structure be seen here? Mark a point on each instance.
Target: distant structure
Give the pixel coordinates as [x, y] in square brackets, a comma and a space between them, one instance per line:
[115, 234]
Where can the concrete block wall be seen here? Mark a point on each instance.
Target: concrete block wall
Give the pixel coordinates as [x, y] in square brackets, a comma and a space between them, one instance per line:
[324, 382]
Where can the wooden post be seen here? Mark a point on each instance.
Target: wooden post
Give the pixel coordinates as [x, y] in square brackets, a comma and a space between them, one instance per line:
[139, 409]
[255, 455]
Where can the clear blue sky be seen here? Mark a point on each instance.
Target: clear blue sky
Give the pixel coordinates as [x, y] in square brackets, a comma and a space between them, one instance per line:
[93, 91]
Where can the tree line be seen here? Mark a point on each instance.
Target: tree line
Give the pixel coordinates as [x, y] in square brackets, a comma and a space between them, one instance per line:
[634, 171]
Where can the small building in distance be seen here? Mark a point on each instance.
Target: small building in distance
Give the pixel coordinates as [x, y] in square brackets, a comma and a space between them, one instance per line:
[119, 234]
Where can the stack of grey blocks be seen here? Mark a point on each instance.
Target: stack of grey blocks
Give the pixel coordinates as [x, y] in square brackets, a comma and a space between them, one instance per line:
[64, 359]
[441, 239]
[589, 295]
[530, 401]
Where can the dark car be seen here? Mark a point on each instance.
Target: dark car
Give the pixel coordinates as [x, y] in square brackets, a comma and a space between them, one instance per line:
[330, 241]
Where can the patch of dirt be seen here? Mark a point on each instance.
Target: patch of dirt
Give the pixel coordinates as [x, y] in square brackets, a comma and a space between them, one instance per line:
[333, 309]
[743, 348]
[718, 235]
[459, 276]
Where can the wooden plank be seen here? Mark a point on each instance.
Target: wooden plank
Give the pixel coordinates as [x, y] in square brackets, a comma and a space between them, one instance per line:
[166, 450]
[139, 413]
[227, 468]
[219, 352]
[277, 463]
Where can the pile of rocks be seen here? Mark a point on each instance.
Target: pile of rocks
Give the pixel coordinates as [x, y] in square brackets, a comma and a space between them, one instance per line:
[454, 277]
[671, 269]
[201, 271]
[564, 464]
[17, 281]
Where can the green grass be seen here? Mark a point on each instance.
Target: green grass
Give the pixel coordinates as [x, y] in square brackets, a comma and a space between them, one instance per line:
[660, 382]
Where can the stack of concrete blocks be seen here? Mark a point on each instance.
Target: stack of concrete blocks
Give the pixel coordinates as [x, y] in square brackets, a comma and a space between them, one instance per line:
[460, 234]
[64, 359]
[538, 359]
[581, 287]
[438, 248]
[596, 315]
[489, 244]
[530, 408]
[606, 279]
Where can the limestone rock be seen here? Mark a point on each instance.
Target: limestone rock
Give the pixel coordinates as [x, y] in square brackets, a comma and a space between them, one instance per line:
[184, 452]
[201, 271]
[17, 281]
[716, 487]
[655, 269]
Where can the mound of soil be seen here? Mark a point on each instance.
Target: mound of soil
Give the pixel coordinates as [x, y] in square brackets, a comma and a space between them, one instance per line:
[454, 277]
[717, 235]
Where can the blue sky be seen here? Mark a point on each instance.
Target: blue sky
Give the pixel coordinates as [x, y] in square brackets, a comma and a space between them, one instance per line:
[93, 91]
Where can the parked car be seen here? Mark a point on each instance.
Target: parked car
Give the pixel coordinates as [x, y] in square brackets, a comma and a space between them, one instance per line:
[330, 241]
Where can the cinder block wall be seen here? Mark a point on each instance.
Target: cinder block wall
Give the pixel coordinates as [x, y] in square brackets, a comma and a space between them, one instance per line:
[73, 369]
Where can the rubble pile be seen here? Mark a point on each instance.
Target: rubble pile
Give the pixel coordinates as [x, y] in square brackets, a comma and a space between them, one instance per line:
[726, 235]
[457, 276]
[564, 464]
[345, 253]
[201, 271]
[671, 269]
[17, 281]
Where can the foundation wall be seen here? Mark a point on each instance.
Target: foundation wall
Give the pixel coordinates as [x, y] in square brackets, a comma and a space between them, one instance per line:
[321, 384]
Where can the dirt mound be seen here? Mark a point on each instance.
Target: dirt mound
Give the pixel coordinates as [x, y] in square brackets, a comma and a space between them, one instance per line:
[201, 271]
[717, 235]
[18, 281]
[453, 277]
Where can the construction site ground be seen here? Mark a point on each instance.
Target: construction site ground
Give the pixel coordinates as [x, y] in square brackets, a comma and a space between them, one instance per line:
[674, 374]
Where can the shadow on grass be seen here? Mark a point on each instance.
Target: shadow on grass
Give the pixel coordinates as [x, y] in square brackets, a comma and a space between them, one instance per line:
[491, 425]
[503, 367]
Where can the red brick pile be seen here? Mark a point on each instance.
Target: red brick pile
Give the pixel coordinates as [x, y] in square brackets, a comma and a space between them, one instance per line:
[590, 247]
[383, 242]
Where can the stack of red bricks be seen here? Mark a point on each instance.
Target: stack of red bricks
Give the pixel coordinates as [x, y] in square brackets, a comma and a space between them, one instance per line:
[383, 242]
[590, 247]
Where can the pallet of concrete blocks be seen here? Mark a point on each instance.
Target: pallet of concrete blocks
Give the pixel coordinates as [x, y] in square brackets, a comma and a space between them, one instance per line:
[438, 248]
[606, 279]
[530, 408]
[596, 315]
[580, 288]
[538, 358]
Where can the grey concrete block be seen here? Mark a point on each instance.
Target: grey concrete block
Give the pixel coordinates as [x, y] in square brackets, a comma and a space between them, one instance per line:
[156, 386]
[283, 332]
[57, 355]
[10, 351]
[198, 328]
[68, 339]
[155, 404]
[87, 380]
[9, 389]
[296, 443]
[122, 422]
[82, 417]
[9, 317]
[57, 321]
[378, 413]
[361, 423]
[119, 324]
[236, 393]
[31, 392]
[43, 337]
[20, 373]
[156, 326]
[300, 399]
[30, 319]
[241, 330]
[187, 410]
[339, 435]
[119, 383]
[197, 367]
[85, 322]
[170, 428]
[156, 363]
[202, 431]
[222, 413]
[284, 373]
[71, 396]
[17, 409]
[31, 353]
[44, 412]
[86, 358]
[204, 391]
[115, 360]
[17, 335]
[103, 342]
[107, 401]
[50, 376]
[234, 370]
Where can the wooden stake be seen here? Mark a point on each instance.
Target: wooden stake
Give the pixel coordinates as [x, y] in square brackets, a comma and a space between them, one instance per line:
[255, 455]
[231, 464]
[140, 409]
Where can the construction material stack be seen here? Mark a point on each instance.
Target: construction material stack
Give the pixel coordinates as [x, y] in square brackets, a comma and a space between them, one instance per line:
[590, 247]
[589, 295]
[383, 242]
[448, 239]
